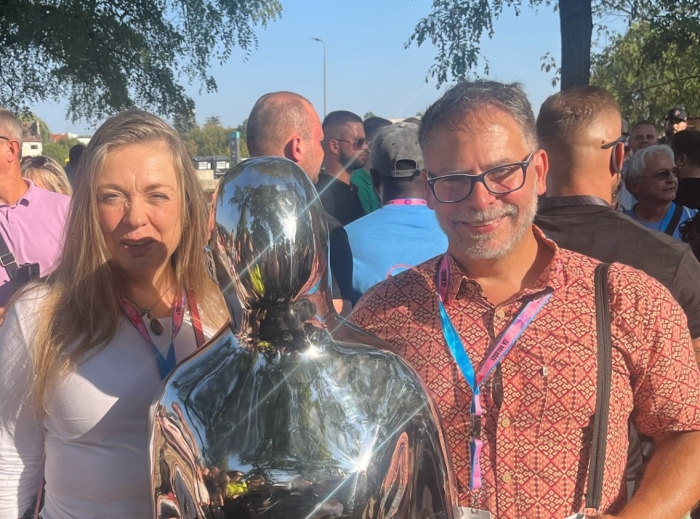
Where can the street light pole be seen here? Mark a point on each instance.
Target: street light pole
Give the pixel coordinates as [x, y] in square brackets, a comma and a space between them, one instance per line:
[324, 74]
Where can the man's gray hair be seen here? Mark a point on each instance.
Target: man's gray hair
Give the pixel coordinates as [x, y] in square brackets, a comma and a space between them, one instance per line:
[640, 159]
[469, 97]
[11, 127]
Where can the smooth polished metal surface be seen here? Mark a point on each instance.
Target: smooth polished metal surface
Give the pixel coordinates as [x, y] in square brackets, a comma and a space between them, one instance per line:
[299, 414]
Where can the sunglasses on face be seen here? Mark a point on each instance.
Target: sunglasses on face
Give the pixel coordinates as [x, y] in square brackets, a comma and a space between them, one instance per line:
[357, 144]
[665, 174]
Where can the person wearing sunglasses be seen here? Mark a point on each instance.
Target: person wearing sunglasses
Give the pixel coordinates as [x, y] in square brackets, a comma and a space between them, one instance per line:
[345, 150]
[652, 178]
[501, 327]
[48, 174]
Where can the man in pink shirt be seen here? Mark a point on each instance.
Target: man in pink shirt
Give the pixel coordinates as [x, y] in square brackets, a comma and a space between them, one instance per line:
[31, 219]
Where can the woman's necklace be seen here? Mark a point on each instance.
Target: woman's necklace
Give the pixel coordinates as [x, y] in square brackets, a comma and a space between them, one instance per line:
[156, 327]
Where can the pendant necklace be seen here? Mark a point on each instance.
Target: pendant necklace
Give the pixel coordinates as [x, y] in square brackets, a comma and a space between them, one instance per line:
[156, 326]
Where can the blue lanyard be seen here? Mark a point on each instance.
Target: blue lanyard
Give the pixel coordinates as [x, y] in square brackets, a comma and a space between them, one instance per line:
[496, 353]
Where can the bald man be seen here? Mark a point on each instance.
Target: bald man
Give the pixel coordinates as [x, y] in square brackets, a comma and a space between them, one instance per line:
[285, 124]
[580, 131]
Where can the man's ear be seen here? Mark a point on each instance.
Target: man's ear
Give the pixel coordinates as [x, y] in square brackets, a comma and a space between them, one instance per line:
[681, 160]
[294, 150]
[333, 146]
[540, 162]
[428, 192]
[617, 158]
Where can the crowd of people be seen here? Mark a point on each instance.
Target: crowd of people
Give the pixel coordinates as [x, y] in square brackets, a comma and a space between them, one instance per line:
[469, 241]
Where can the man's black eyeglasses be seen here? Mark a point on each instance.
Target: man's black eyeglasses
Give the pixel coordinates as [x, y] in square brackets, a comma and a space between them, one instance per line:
[357, 144]
[499, 180]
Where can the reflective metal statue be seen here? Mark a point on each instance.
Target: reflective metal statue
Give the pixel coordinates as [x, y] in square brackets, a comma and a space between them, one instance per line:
[298, 414]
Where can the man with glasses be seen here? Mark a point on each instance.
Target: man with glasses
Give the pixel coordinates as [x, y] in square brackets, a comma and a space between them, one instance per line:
[346, 150]
[652, 178]
[31, 219]
[578, 128]
[501, 329]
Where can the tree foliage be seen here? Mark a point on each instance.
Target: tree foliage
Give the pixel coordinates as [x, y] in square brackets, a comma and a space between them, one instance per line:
[650, 70]
[212, 138]
[104, 56]
[59, 150]
[457, 27]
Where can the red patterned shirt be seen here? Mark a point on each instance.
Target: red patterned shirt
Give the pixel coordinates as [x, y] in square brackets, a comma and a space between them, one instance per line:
[539, 403]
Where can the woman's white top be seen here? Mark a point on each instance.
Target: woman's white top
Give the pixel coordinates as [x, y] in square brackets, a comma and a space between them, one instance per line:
[95, 432]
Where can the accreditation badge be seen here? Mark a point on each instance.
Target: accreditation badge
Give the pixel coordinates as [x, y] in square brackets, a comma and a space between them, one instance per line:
[473, 513]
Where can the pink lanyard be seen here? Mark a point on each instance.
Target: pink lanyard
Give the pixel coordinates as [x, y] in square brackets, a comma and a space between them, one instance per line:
[496, 353]
[167, 364]
[407, 201]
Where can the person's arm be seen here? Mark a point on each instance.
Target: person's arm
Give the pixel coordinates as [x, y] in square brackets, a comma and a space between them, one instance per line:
[21, 429]
[671, 484]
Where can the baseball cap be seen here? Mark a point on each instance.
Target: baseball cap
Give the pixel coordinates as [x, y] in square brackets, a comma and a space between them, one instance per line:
[398, 142]
[678, 113]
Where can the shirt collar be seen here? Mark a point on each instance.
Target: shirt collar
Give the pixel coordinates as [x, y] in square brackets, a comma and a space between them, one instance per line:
[551, 277]
[566, 201]
[28, 196]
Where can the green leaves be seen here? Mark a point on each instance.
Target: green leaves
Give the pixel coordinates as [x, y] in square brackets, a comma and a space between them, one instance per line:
[109, 55]
[650, 70]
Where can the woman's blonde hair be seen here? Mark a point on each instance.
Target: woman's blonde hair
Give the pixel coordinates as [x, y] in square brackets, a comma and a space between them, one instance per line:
[46, 173]
[81, 312]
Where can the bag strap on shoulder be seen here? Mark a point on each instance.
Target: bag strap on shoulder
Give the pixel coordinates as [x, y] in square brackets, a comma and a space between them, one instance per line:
[7, 259]
[675, 220]
[596, 468]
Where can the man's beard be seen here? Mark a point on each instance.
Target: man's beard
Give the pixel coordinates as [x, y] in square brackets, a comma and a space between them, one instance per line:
[352, 162]
[480, 246]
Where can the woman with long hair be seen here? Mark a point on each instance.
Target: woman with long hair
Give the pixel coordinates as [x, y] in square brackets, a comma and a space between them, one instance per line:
[48, 174]
[83, 354]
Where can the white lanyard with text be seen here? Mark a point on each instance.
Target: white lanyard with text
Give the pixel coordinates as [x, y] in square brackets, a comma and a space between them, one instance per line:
[497, 352]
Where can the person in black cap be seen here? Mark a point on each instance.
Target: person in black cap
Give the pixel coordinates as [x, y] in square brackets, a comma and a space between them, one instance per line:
[404, 232]
[686, 147]
[676, 121]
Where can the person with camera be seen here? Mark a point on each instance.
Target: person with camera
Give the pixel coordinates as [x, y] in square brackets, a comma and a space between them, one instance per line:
[31, 219]
[83, 354]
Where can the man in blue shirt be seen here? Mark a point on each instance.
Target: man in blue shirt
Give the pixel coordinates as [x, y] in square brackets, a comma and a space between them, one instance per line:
[404, 232]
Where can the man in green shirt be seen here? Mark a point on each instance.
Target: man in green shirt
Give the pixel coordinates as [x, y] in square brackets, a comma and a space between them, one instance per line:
[360, 177]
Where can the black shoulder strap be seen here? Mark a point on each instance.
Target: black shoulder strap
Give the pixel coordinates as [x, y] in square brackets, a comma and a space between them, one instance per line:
[596, 466]
[675, 219]
[7, 259]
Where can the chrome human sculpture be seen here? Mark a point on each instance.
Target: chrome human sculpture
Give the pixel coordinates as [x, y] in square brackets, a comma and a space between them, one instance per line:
[299, 414]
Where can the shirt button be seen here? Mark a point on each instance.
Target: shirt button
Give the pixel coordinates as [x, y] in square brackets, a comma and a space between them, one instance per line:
[505, 422]
[507, 477]
[500, 313]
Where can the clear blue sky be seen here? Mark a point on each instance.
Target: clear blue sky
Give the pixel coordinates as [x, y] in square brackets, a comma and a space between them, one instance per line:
[368, 67]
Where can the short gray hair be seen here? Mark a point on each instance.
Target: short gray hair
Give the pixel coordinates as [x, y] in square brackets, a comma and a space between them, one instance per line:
[469, 97]
[639, 160]
[11, 126]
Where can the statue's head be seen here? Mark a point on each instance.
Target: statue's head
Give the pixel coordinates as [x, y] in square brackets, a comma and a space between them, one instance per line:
[269, 234]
